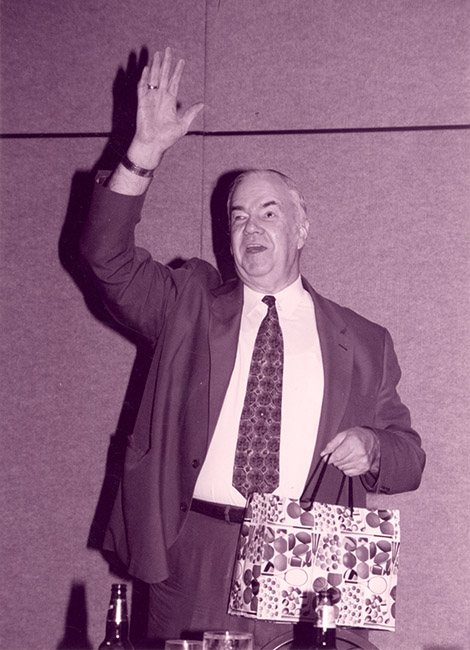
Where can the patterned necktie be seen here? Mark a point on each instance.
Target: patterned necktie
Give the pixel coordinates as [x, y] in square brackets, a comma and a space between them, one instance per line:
[256, 467]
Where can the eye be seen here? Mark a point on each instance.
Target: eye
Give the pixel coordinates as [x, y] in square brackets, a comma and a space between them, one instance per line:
[238, 217]
[270, 214]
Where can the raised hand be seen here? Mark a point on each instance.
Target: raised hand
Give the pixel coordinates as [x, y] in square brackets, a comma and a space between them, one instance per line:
[160, 123]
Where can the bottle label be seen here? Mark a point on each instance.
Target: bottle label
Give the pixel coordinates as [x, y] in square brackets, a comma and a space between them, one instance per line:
[326, 617]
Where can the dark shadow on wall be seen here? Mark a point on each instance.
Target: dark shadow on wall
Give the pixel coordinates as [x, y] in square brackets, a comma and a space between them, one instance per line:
[122, 131]
[220, 224]
[76, 621]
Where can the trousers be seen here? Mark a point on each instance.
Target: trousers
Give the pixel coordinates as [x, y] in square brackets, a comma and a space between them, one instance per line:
[194, 597]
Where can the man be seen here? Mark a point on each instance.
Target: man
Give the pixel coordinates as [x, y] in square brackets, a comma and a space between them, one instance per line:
[203, 442]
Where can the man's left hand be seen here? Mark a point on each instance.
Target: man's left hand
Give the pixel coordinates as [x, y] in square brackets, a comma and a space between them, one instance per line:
[354, 451]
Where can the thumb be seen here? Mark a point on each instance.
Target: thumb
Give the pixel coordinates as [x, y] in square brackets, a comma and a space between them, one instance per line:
[191, 113]
[333, 444]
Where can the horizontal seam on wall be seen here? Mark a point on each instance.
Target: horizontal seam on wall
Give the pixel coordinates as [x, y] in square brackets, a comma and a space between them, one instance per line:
[267, 132]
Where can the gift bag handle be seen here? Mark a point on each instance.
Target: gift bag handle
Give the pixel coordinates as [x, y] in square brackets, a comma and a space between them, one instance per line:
[319, 480]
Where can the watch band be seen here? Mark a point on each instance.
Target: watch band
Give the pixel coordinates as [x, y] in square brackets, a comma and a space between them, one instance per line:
[135, 169]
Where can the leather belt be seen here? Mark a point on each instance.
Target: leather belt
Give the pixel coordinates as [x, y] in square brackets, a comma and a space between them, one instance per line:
[231, 514]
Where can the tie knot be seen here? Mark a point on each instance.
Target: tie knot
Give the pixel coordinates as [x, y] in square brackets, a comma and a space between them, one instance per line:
[269, 300]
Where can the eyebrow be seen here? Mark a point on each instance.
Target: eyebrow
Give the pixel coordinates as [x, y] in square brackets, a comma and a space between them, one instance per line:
[264, 205]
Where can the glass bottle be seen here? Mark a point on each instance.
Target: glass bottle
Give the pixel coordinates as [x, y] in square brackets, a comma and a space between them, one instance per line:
[117, 623]
[324, 628]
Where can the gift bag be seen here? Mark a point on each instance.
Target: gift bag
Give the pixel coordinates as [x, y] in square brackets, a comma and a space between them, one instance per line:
[288, 553]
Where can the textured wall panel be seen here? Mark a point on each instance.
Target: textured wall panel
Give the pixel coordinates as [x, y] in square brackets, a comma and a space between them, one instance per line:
[70, 382]
[305, 64]
[389, 238]
[59, 59]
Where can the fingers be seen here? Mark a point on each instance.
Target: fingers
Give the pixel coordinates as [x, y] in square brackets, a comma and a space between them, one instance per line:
[159, 117]
[144, 79]
[165, 69]
[347, 458]
[174, 83]
[158, 73]
[153, 77]
[351, 451]
[352, 466]
[333, 444]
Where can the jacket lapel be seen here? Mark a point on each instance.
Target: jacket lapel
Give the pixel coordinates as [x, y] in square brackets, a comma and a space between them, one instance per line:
[224, 327]
[337, 350]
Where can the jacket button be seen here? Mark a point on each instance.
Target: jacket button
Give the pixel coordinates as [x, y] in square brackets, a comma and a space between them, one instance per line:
[183, 506]
[195, 463]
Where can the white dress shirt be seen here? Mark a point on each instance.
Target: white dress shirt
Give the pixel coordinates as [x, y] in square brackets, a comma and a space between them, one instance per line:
[302, 396]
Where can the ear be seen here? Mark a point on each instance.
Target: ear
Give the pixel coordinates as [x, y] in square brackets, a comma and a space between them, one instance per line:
[303, 233]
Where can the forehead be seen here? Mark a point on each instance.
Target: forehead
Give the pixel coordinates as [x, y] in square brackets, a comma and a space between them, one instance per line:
[259, 187]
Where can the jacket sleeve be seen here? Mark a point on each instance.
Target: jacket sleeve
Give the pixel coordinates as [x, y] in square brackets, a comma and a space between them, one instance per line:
[402, 458]
[137, 290]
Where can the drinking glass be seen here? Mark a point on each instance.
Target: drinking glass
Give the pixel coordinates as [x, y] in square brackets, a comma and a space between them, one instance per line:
[228, 641]
[182, 644]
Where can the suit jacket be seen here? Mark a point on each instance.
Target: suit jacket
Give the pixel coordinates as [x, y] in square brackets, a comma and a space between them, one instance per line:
[193, 320]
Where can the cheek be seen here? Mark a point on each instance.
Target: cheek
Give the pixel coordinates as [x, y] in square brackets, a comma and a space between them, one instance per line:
[235, 246]
[288, 242]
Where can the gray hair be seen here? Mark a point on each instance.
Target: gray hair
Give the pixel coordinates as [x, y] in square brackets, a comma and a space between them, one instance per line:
[288, 182]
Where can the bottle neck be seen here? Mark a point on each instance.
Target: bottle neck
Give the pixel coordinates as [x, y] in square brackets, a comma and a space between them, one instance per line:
[117, 630]
[325, 625]
[117, 624]
[117, 611]
[325, 617]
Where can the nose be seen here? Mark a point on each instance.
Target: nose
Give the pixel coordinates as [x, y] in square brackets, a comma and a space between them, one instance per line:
[252, 226]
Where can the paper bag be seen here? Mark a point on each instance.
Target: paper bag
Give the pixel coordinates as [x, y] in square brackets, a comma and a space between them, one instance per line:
[287, 554]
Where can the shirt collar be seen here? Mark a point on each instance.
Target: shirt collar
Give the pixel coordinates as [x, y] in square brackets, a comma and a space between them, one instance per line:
[287, 300]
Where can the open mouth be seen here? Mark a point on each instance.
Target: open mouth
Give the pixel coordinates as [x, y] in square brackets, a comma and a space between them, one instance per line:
[255, 248]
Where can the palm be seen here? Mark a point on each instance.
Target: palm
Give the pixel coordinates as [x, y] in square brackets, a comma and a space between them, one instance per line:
[157, 116]
[159, 121]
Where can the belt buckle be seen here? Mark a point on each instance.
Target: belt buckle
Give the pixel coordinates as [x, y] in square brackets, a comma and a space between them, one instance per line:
[227, 514]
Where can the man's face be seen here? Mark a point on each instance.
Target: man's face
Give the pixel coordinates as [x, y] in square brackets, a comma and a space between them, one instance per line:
[267, 232]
